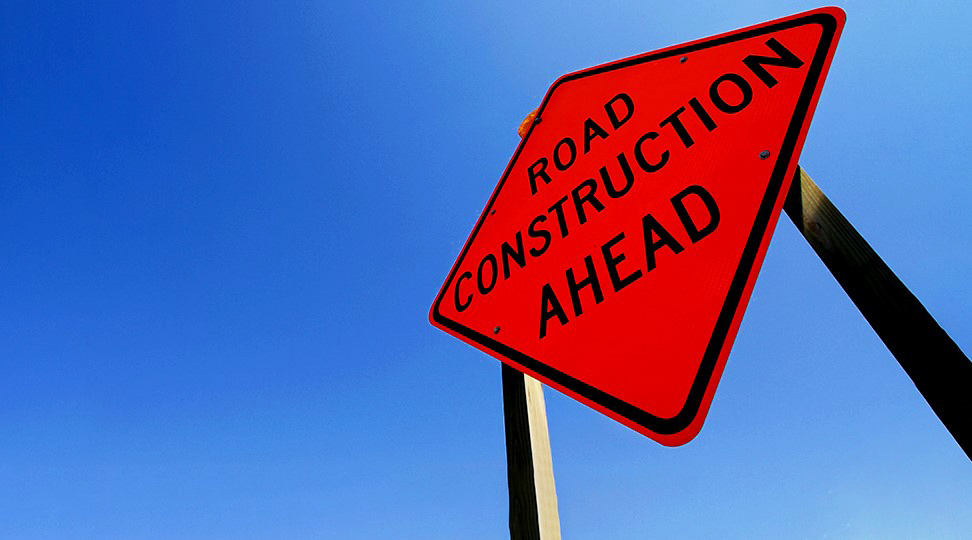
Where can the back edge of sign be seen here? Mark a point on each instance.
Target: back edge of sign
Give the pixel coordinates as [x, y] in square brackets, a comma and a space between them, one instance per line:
[682, 427]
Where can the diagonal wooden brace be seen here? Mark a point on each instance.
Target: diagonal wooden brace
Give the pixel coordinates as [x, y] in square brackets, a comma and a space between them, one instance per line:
[939, 369]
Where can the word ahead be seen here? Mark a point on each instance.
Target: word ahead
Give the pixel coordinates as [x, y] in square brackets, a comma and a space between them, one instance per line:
[617, 254]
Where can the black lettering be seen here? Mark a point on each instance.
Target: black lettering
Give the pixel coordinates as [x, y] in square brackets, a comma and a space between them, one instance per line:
[518, 256]
[550, 307]
[561, 218]
[588, 198]
[591, 130]
[542, 233]
[740, 83]
[694, 233]
[683, 133]
[613, 192]
[534, 174]
[575, 287]
[460, 306]
[703, 115]
[612, 262]
[573, 153]
[652, 228]
[783, 58]
[483, 288]
[640, 156]
[613, 116]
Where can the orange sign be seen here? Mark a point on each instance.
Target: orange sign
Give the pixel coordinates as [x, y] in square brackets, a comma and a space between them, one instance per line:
[618, 252]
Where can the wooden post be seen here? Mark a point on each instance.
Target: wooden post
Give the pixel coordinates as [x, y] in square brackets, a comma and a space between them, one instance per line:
[529, 466]
[942, 373]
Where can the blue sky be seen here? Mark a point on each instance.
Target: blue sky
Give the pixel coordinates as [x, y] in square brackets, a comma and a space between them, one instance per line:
[222, 226]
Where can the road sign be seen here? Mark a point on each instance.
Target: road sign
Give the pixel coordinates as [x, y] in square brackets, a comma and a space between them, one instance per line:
[618, 252]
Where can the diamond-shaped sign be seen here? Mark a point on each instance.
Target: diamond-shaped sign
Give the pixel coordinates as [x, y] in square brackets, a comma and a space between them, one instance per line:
[618, 252]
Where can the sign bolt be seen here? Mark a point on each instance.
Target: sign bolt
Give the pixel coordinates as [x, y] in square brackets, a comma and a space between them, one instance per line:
[491, 212]
[496, 330]
[764, 154]
[683, 59]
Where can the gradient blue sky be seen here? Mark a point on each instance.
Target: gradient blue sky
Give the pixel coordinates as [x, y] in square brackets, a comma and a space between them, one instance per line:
[222, 226]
